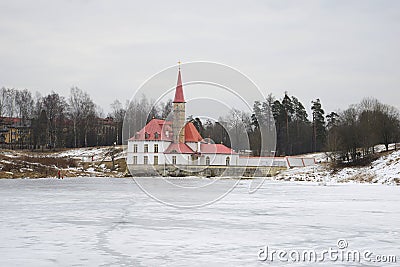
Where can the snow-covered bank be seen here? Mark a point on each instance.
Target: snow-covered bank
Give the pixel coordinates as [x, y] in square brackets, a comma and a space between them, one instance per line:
[91, 153]
[385, 170]
[94, 161]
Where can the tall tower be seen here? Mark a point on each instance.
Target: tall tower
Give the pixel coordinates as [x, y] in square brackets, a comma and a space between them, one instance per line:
[178, 123]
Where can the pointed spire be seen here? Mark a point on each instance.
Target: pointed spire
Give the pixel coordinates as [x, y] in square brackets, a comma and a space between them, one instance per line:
[179, 89]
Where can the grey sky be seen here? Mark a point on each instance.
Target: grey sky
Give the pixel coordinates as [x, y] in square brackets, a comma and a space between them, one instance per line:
[339, 51]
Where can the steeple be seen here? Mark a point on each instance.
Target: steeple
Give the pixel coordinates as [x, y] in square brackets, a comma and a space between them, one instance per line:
[178, 123]
[179, 90]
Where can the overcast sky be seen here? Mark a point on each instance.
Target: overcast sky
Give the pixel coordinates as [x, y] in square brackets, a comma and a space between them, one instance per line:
[338, 51]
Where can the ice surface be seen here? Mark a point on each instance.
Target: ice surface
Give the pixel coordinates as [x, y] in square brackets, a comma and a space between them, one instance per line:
[101, 221]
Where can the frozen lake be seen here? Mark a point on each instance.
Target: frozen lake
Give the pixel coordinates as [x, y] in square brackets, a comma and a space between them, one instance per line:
[100, 221]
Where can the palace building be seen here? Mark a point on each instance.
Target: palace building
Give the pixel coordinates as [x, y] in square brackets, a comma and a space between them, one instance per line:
[176, 142]
[170, 146]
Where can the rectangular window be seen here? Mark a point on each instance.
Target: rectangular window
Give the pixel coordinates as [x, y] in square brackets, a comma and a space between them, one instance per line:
[135, 160]
[146, 160]
[135, 148]
[155, 160]
[174, 160]
[155, 148]
[146, 148]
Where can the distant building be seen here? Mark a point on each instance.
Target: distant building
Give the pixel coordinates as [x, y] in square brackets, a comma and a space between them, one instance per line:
[14, 131]
[107, 131]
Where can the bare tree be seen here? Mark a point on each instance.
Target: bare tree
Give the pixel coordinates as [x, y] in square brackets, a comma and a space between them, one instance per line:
[118, 114]
[24, 103]
[3, 99]
[55, 107]
[82, 112]
[8, 106]
[388, 124]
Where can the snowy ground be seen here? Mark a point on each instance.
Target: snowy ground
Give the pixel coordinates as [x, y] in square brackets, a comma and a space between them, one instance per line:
[91, 161]
[385, 170]
[86, 154]
[111, 222]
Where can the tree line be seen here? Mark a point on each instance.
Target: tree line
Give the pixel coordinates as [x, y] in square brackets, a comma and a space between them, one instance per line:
[350, 134]
[76, 121]
[54, 121]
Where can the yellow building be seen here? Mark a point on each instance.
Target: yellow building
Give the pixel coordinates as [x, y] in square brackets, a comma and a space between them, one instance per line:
[13, 132]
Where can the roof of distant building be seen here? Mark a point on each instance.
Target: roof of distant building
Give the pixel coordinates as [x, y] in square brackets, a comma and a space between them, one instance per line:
[208, 148]
[155, 130]
[161, 130]
[180, 148]
[9, 120]
[191, 133]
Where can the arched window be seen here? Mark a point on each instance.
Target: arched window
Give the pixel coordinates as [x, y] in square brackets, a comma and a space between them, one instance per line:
[207, 160]
[227, 161]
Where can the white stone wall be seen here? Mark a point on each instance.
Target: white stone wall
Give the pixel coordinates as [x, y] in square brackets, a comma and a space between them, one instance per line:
[162, 146]
[215, 159]
[181, 159]
[262, 161]
[309, 161]
[219, 159]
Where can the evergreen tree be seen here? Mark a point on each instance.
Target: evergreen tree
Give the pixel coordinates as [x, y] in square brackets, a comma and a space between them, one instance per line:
[332, 141]
[300, 128]
[279, 117]
[287, 106]
[319, 130]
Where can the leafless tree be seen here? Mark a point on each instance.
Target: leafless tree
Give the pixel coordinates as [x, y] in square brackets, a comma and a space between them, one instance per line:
[55, 107]
[118, 114]
[82, 112]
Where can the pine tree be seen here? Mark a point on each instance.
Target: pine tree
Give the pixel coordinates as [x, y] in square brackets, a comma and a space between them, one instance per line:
[288, 112]
[300, 128]
[332, 131]
[279, 117]
[319, 130]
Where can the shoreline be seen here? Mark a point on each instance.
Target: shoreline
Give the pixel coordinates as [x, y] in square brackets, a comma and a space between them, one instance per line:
[266, 179]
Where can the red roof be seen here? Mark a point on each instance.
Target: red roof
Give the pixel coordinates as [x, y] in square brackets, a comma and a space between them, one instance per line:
[180, 148]
[191, 133]
[9, 120]
[179, 90]
[155, 130]
[215, 149]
